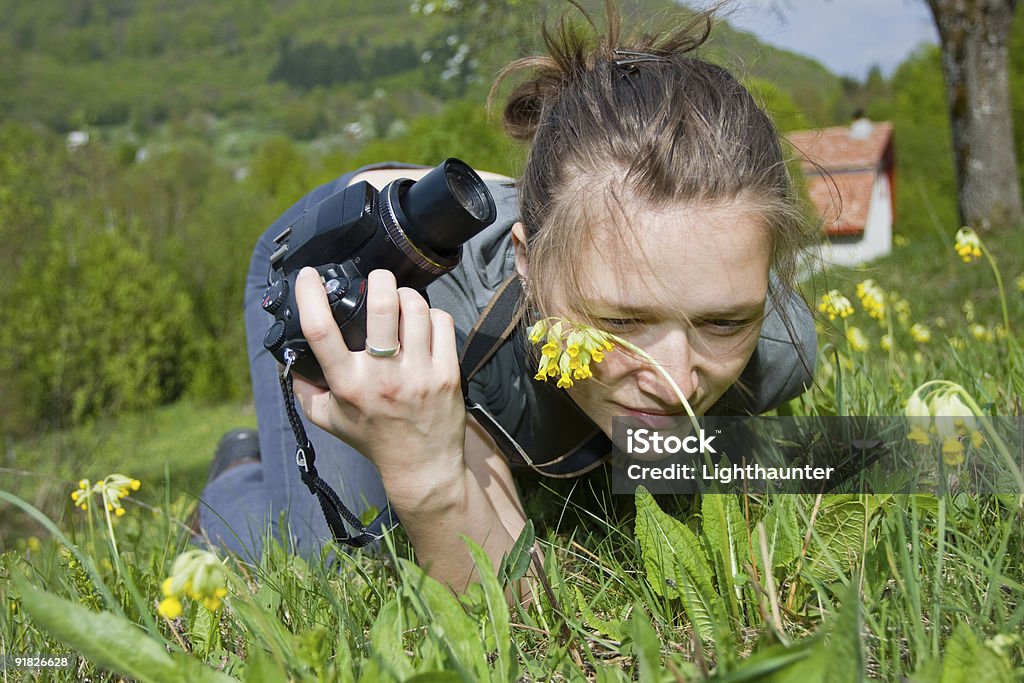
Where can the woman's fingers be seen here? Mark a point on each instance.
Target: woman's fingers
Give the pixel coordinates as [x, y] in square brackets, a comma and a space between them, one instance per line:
[314, 400]
[443, 348]
[318, 325]
[382, 311]
[414, 326]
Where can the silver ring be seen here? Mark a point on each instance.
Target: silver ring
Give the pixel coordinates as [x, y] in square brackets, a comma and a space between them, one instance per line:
[383, 353]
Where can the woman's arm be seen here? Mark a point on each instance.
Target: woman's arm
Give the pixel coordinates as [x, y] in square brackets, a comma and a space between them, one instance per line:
[482, 504]
[443, 474]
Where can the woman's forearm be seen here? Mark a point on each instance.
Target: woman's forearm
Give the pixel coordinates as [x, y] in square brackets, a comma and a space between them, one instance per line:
[478, 500]
[438, 522]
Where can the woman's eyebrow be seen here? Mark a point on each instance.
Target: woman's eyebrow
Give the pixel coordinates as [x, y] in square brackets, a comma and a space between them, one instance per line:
[741, 310]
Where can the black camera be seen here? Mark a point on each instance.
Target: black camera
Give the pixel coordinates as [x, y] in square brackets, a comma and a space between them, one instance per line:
[414, 229]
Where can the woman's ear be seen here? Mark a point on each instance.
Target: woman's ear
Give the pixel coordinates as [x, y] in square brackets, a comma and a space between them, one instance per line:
[519, 245]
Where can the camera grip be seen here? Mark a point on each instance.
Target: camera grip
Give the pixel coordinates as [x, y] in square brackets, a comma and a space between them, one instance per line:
[347, 299]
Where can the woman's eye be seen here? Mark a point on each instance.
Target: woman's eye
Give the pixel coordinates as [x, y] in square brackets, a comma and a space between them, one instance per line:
[618, 323]
[725, 327]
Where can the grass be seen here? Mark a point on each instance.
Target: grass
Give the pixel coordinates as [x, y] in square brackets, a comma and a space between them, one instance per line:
[725, 588]
[168, 448]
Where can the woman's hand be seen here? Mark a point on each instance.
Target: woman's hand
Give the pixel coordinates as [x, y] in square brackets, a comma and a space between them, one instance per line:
[406, 412]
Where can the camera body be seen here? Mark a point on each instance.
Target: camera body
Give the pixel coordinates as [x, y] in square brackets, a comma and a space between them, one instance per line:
[414, 229]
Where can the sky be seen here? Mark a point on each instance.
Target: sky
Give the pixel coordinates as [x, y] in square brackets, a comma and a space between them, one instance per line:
[847, 36]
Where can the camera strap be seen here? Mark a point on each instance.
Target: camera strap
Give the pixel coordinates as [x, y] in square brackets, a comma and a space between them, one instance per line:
[335, 511]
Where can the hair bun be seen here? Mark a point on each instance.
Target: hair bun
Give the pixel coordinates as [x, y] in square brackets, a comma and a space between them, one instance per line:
[574, 50]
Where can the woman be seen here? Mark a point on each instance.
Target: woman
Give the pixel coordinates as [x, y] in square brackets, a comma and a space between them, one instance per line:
[655, 204]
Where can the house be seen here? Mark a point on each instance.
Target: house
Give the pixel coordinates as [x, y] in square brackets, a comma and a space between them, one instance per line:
[851, 176]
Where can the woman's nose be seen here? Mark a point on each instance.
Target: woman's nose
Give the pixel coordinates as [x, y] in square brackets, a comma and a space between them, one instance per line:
[675, 355]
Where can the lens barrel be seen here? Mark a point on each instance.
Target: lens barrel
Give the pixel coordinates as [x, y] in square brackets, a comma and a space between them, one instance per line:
[447, 206]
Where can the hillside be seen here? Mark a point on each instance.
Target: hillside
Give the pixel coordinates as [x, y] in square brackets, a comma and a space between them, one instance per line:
[237, 71]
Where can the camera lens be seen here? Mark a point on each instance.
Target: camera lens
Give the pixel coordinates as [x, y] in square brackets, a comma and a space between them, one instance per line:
[468, 192]
[444, 208]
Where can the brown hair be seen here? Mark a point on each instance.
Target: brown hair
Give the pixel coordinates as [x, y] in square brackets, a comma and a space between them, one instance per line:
[651, 122]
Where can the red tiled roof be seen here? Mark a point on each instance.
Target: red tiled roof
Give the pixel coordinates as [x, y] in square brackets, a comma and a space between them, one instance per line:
[840, 172]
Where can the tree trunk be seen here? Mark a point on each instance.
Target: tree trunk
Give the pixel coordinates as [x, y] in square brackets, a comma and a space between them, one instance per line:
[975, 51]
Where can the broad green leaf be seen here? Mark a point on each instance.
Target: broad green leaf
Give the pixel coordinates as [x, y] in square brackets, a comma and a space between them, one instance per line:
[763, 666]
[783, 533]
[261, 667]
[446, 620]
[646, 646]
[844, 644]
[662, 538]
[725, 532]
[386, 636]
[677, 567]
[838, 539]
[497, 612]
[967, 660]
[434, 677]
[112, 641]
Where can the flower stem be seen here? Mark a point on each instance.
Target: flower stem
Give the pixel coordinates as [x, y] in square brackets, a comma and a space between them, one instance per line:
[999, 284]
[657, 366]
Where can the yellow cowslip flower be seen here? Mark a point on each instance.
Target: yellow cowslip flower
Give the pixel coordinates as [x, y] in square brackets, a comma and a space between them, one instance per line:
[954, 421]
[170, 608]
[920, 333]
[834, 304]
[968, 244]
[968, 310]
[858, 342]
[872, 298]
[920, 419]
[982, 333]
[901, 240]
[957, 343]
[197, 574]
[568, 350]
[902, 310]
[885, 342]
[1019, 281]
[110, 490]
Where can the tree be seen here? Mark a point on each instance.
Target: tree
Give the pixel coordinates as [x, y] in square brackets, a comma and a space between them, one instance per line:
[974, 37]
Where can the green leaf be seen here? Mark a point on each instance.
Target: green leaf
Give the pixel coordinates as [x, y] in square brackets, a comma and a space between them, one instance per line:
[261, 667]
[112, 641]
[646, 646]
[783, 533]
[676, 566]
[434, 677]
[612, 629]
[725, 532]
[446, 620]
[497, 611]
[838, 538]
[515, 565]
[968, 660]
[386, 636]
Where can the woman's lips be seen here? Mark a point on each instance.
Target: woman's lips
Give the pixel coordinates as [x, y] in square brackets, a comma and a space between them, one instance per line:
[656, 420]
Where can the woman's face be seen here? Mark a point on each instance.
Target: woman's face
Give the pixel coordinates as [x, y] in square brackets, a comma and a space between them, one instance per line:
[686, 285]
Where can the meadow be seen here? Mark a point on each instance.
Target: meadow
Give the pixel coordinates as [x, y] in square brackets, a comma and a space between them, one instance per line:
[919, 587]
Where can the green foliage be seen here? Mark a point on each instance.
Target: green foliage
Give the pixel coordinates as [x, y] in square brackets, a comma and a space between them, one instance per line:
[677, 567]
[112, 641]
[84, 338]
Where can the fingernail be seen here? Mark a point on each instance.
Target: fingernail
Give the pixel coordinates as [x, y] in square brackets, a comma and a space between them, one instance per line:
[307, 272]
